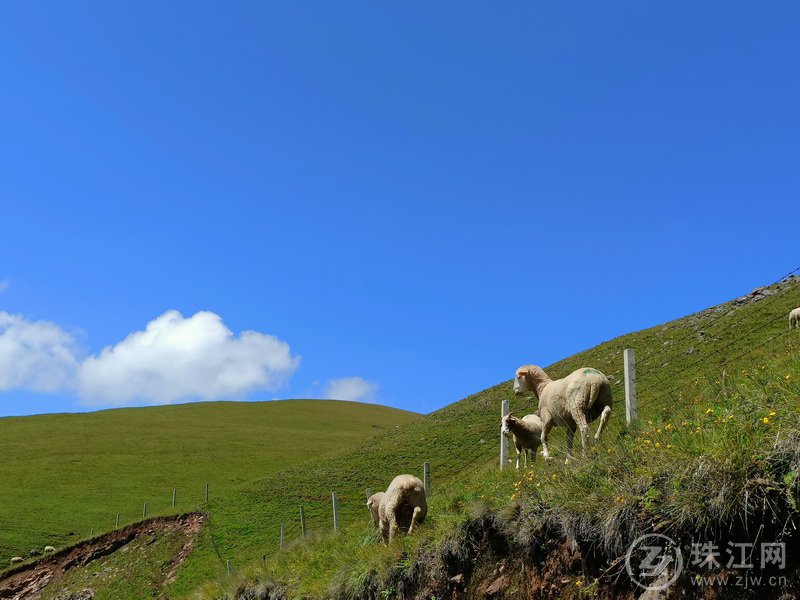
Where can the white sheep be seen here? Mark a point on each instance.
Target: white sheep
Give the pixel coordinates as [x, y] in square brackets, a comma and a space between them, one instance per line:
[49, 549]
[403, 505]
[374, 503]
[794, 318]
[526, 433]
[15, 560]
[572, 402]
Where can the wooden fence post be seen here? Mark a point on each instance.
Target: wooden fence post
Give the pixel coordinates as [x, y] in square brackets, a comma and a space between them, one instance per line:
[117, 527]
[426, 477]
[303, 521]
[630, 386]
[228, 566]
[144, 510]
[503, 439]
[335, 512]
[174, 496]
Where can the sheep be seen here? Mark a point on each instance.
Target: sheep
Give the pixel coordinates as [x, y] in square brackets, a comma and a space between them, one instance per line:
[49, 549]
[572, 402]
[527, 435]
[374, 503]
[15, 560]
[794, 318]
[403, 505]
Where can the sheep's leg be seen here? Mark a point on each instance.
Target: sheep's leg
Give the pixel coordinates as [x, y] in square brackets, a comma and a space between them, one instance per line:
[546, 426]
[583, 427]
[517, 457]
[384, 526]
[603, 420]
[570, 435]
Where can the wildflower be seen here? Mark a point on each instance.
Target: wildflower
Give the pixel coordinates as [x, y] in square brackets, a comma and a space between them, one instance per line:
[658, 445]
[554, 477]
[730, 417]
[647, 442]
[709, 411]
[772, 413]
[649, 422]
[766, 420]
[788, 377]
[669, 446]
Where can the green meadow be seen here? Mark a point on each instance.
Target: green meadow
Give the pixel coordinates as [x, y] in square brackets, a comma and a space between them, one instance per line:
[64, 475]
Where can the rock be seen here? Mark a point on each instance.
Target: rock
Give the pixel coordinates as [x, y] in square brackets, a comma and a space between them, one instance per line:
[35, 552]
[458, 579]
[497, 586]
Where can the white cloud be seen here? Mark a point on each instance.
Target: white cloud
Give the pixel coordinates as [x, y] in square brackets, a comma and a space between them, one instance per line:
[35, 355]
[177, 358]
[356, 389]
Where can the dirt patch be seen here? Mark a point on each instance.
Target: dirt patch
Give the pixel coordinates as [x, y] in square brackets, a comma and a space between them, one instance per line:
[29, 580]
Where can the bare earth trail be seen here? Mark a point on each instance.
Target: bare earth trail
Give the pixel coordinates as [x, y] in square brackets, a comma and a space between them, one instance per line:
[30, 580]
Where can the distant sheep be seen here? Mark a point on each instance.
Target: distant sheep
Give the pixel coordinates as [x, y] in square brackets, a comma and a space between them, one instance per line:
[526, 433]
[374, 504]
[572, 402]
[403, 506]
[48, 549]
[794, 318]
[15, 560]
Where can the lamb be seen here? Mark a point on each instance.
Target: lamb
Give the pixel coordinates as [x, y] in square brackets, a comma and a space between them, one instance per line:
[572, 402]
[48, 549]
[374, 503]
[403, 505]
[527, 435]
[794, 318]
[15, 560]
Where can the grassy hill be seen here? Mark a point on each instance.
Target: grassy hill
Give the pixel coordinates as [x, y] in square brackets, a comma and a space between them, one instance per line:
[710, 360]
[64, 475]
[675, 361]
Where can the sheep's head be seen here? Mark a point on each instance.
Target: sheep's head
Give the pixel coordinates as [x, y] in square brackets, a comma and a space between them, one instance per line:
[521, 383]
[504, 429]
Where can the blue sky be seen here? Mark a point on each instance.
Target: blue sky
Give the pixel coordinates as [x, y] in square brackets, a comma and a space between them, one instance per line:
[400, 204]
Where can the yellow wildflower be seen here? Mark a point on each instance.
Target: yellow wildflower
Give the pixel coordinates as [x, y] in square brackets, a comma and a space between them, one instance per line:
[772, 413]
[766, 420]
[669, 446]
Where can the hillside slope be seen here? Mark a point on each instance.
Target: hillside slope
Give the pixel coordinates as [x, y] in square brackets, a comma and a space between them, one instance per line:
[461, 439]
[64, 475]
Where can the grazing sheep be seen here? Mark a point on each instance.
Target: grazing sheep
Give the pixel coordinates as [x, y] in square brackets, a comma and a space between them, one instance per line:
[572, 402]
[49, 549]
[527, 435]
[402, 506]
[794, 318]
[34, 552]
[374, 503]
[15, 560]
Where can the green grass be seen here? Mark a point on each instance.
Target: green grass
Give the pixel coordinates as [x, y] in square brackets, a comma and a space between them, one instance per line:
[684, 368]
[63, 475]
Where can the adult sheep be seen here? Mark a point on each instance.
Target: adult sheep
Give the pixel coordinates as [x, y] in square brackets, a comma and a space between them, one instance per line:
[794, 318]
[526, 433]
[15, 560]
[572, 402]
[402, 507]
[374, 503]
[49, 549]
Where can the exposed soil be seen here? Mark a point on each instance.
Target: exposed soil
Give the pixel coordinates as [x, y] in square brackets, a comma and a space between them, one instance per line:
[27, 581]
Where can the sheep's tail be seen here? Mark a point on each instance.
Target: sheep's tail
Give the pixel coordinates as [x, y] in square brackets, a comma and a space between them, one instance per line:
[594, 392]
[415, 518]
